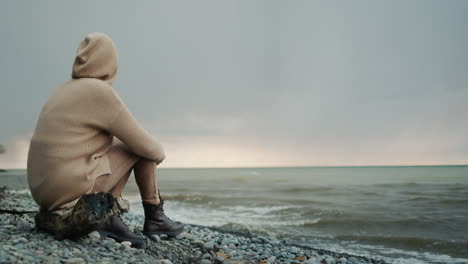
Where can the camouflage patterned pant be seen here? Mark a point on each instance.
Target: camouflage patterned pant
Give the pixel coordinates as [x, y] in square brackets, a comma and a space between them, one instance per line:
[90, 212]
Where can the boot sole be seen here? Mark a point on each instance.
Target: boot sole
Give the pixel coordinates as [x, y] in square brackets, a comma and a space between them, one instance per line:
[169, 234]
[135, 242]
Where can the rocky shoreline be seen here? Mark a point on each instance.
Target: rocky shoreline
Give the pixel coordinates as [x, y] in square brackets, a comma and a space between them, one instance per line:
[20, 242]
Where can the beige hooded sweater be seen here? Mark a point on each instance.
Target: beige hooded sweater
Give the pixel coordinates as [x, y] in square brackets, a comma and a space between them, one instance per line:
[76, 126]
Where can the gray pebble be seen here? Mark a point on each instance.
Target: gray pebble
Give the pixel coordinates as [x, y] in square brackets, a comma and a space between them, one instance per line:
[74, 260]
[8, 247]
[94, 235]
[208, 245]
[126, 243]
[20, 246]
[185, 235]
[29, 259]
[156, 238]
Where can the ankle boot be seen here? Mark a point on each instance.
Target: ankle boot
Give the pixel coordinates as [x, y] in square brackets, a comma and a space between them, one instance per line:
[115, 228]
[157, 223]
[162, 202]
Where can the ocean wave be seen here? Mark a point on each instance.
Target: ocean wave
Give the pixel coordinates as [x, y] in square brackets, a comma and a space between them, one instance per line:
[263, 225]
[306, 202]
[240, 179]
[414, 241]
[420, 198]
[363, 223]
[459, 187]
[455, 201]
[452, 248]
[263, 210]
[236, 227]
[258, 208]
[434, 199]
[296, 189]
[411, 192]
[190, 198]
[239, 203]
[392, 185]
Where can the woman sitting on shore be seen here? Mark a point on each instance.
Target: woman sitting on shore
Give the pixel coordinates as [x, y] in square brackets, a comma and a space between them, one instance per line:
[73, 151]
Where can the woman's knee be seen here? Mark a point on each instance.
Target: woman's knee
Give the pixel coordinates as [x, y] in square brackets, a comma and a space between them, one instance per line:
[144, 162]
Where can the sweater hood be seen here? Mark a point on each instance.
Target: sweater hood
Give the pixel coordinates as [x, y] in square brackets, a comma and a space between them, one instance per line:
[96, 57]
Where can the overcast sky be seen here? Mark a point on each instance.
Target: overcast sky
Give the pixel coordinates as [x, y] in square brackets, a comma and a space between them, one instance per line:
[257, 83]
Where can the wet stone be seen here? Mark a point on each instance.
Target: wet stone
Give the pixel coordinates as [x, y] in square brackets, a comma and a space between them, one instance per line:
[208, 245]
[156, 238]
[74, 260]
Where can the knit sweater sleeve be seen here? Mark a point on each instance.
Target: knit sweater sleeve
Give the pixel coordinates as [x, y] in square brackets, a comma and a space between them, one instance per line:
[126, 128]
[115, 118]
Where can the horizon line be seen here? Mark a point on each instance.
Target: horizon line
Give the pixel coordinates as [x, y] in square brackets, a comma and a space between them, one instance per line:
[318, 166]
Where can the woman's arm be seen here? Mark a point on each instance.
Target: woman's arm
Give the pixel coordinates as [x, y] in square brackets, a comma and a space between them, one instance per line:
[113, 116]
[126, 128]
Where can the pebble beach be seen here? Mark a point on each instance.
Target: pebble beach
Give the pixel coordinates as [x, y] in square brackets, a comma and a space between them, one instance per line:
[21, 242]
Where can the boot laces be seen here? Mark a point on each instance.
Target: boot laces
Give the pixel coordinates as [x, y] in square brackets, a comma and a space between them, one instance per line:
[161, 207]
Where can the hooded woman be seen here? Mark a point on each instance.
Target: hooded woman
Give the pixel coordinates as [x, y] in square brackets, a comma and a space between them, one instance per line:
[73, 151]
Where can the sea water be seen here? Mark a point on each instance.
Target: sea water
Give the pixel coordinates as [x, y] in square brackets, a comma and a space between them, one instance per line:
[400, 214]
